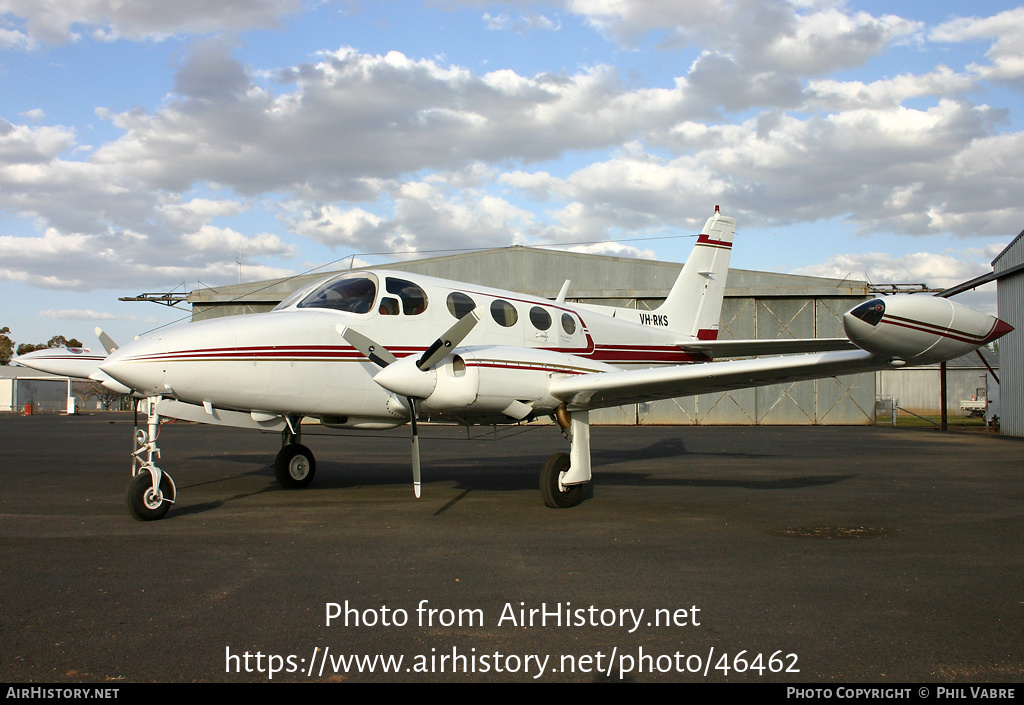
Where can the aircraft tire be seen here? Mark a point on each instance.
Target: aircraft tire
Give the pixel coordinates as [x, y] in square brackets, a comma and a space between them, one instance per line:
[549, 474]
[142, 504]
[294, 466]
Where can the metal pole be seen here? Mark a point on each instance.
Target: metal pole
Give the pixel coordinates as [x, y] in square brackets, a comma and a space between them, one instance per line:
[942, 392]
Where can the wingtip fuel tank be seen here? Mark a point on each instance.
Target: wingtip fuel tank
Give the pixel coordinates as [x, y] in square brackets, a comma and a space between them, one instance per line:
[920, 330]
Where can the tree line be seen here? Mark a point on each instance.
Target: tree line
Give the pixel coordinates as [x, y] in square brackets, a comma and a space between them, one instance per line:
[7, 349]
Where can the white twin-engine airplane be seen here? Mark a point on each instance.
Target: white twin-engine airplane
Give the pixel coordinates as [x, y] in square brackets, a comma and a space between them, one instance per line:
[363, 350]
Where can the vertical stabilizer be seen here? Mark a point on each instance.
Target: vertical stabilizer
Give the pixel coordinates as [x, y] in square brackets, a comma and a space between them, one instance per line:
[694, 305]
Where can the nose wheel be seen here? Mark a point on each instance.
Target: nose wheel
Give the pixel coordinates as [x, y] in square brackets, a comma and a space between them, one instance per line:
[146, 503]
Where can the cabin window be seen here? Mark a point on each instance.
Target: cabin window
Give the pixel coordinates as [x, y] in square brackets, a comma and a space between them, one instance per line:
[540, 318]
[344, 293]
[568, 324]
[504, 313]
[459, 304]
[414, 300]
[388, 306]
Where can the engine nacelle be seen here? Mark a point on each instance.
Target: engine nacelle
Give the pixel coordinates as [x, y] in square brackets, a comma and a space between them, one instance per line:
[503, 380]
[919, 329]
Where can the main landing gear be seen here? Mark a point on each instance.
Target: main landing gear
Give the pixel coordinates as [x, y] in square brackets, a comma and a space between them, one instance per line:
[151, 491]
[563, 475]
[294, 466]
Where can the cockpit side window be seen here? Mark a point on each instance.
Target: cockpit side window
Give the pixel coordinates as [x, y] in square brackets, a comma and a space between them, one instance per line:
[414, 299]
[349, 294]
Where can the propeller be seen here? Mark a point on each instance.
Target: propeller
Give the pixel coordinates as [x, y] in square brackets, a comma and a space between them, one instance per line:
[409, 377]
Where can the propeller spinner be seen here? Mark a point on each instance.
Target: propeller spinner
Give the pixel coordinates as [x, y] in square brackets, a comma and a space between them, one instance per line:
[411, 378]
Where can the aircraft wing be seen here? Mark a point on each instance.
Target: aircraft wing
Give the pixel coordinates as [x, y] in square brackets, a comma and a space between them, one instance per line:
[604, 389]
[776, 346]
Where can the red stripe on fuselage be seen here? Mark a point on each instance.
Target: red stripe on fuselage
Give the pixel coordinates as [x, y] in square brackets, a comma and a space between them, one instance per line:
[612, 354]
[942, 331]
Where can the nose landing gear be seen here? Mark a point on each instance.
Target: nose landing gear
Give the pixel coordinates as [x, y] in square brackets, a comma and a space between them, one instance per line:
[151, 491]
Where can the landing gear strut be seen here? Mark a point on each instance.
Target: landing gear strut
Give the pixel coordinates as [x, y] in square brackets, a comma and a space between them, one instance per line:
[563, 475]
[151, 491]
[294, 466]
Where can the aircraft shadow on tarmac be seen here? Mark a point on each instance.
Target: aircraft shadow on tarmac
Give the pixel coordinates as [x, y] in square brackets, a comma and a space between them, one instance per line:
[500, 473]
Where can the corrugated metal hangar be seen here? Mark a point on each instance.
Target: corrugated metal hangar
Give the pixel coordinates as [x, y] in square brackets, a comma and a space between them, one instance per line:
[1008, 270]
[757, 305]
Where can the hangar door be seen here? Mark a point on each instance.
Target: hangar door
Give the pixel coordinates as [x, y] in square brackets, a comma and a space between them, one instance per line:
[847, 400]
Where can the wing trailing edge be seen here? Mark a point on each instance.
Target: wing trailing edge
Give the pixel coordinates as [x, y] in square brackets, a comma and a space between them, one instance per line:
[600, 390]
[777, 346]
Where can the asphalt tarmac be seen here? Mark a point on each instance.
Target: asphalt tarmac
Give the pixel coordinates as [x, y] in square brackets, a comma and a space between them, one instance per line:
[701, 554]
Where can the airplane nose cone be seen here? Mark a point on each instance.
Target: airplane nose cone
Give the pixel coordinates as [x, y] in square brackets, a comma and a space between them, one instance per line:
[138, 365]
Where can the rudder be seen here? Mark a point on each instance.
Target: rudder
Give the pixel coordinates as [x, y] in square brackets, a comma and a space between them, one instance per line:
[694, 305]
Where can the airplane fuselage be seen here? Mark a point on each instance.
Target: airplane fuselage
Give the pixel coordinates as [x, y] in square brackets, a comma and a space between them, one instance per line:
[310, 370]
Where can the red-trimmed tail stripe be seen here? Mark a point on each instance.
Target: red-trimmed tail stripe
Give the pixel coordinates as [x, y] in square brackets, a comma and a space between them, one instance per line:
[707, 241]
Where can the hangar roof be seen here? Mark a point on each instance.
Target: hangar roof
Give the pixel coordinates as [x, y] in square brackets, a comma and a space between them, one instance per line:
[541, 272]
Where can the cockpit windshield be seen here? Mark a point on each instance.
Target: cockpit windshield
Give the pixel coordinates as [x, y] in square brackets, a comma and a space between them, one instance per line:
[353, 294]
[298, 294]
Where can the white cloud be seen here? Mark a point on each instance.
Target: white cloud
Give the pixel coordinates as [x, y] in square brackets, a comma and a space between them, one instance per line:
[334, 226]
[831, 38]
[523, 24]
[209, 239]
[1007, 51]
[198, 211]
[20, 144]
[378, 151]
[613, 249]
[382, 116]
[67, 20]
[935, 270]
[798, 38]
[66, 314]
[830, 94]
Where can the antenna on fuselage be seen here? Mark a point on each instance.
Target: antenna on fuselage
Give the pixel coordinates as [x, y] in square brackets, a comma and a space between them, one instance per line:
[562, 293]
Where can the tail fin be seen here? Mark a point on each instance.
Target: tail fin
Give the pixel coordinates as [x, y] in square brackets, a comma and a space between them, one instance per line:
[694, 305]
[105, 340]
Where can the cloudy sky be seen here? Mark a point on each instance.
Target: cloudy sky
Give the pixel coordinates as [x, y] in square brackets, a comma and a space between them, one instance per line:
[156, 146]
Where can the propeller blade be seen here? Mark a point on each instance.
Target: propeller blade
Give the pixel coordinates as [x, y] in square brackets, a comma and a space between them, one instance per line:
[377, 354]
[415, 449]
[382, 357]
[451, 339]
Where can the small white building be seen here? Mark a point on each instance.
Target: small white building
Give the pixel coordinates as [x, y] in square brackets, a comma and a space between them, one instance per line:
[20, 386]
